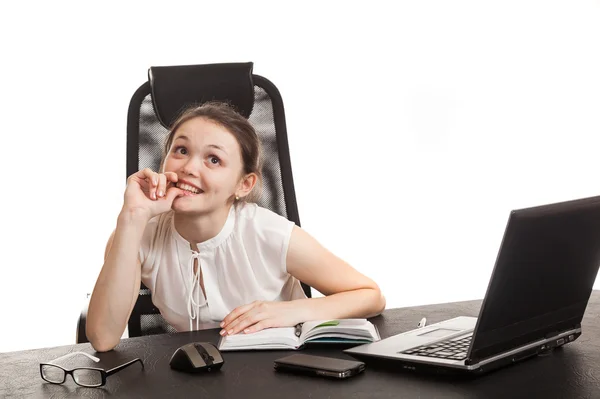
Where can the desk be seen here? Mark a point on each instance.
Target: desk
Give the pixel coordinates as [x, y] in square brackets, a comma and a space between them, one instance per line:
[570, 372]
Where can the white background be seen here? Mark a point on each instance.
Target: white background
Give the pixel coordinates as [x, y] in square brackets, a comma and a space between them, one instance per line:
[414, 130]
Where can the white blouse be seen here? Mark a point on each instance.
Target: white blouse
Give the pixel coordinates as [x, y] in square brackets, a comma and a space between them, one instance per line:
[245, 262]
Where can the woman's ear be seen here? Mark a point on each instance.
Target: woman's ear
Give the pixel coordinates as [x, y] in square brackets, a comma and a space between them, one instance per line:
[246, 185]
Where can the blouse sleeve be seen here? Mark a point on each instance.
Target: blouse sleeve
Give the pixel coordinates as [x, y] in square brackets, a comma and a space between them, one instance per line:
[272, 234]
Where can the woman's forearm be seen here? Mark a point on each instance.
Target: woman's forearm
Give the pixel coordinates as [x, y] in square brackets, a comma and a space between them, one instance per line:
[361, 303]
[118, 284]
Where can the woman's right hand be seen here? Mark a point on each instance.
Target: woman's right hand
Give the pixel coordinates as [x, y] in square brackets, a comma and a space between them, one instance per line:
[150, 193]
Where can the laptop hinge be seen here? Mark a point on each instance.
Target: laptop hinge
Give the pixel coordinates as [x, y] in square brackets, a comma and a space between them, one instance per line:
[549, 336]
[556, 333]
[470, 361]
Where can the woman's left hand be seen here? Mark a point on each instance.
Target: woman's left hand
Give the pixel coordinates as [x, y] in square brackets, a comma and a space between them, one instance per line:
[259, 315]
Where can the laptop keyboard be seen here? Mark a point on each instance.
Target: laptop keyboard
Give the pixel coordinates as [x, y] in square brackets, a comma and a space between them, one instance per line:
[452, 349]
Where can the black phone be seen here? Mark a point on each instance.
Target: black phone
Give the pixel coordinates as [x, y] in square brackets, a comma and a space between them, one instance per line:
[319, 366]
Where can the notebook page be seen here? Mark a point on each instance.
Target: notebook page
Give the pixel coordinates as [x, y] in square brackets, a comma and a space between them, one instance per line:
[342, 328]
[271, 336]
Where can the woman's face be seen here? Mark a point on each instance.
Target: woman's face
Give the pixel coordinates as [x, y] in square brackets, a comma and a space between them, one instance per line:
[207, 160]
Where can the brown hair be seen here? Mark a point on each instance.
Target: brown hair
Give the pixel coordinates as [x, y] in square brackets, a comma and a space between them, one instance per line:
[244, 133]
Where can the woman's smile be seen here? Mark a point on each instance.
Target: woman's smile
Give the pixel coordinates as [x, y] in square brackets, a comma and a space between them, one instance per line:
[187, 188]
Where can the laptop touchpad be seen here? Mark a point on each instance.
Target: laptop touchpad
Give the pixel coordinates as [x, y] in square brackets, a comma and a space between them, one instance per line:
[438, 332]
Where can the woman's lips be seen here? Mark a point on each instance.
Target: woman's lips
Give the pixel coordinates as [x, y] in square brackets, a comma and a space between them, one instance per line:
[188, 188]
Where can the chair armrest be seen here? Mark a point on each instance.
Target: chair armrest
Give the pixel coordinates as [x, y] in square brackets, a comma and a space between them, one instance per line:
[80, 336]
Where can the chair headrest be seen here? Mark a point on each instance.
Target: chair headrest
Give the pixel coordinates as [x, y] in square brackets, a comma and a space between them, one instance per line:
[174, 88]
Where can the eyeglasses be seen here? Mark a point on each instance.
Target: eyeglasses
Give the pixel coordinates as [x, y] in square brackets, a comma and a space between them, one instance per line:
[83, 376]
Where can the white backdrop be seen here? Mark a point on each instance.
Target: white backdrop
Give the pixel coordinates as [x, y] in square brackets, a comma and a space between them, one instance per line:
[414, 130]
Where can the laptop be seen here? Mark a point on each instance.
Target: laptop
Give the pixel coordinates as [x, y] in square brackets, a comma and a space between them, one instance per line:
[535, 300]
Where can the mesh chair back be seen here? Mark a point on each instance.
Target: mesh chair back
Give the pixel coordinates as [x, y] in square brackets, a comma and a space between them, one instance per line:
[145, 141]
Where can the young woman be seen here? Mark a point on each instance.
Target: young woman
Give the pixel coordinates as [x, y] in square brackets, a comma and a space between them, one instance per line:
[192, 235]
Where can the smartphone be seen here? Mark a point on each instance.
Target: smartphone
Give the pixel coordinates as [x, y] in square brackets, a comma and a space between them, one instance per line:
[319, 366]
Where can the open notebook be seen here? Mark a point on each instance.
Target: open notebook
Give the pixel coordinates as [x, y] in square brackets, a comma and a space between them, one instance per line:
[345, 331]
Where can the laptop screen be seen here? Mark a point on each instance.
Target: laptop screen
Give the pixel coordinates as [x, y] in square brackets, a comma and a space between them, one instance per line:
[543, 277]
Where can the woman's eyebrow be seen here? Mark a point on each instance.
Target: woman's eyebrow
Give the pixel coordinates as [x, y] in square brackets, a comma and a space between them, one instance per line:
[218, 147]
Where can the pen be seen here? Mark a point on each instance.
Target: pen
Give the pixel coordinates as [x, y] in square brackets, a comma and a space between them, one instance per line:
[422, 323]
[298, 329]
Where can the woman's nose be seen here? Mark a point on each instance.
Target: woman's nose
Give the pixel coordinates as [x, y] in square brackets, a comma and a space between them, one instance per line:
[192, 168]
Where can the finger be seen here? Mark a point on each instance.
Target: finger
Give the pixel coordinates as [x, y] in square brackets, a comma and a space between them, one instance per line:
[228, 329]
[253, 316]
[145, 174]
[172, 193]
[146, 179]
[249, 319]
[151, 177]
[148, 174]
[161, 189]
[261, 325]
[172, 177]
[235, 313]
[144, 185]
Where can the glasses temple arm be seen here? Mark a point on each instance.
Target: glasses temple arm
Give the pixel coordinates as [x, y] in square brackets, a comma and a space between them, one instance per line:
[68, 355]
[121, 367]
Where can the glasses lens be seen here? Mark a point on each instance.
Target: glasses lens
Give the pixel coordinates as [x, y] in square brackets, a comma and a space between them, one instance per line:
[88, 378]
[53, 374]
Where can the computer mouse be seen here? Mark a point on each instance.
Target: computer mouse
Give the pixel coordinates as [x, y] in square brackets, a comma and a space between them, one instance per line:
[197, 357]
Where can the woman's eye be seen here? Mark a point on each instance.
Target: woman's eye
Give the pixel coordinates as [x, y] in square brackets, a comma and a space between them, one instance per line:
[181, 150]
[214, 160]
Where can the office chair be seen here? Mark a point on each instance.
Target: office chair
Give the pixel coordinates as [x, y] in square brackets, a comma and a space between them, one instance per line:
[155, 106]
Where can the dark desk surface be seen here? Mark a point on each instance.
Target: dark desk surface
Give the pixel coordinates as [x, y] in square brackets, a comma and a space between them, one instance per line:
[570, 372]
